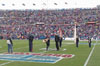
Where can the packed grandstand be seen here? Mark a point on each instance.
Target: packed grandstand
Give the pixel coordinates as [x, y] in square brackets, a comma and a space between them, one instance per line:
[20, 23]
[38, 22]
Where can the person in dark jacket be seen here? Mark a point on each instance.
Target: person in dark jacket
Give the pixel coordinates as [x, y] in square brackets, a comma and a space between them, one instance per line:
[47, 41]
[31, 37]
[89, 41]
[57, 41]
[77, 42]
[10, 45]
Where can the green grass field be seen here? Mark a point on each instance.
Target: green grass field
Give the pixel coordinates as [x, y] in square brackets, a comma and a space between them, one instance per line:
[81, 53]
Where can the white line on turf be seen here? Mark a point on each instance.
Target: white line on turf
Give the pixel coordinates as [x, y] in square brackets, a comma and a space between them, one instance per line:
[17, 49]
[6, 63]
[13, 61]
[14, 49]
[89, 56]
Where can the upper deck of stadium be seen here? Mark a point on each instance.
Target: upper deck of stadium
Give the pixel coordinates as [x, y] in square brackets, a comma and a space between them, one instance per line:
[46, 4]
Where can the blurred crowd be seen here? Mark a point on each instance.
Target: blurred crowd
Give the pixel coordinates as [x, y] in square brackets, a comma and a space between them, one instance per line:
[20, 23]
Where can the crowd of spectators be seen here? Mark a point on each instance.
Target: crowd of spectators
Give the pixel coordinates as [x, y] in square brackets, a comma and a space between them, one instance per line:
[19, 23]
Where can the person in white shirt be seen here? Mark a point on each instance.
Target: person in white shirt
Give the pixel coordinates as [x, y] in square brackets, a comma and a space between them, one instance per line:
[10, 45]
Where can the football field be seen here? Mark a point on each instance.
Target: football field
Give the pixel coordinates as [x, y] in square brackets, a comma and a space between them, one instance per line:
[82, 56]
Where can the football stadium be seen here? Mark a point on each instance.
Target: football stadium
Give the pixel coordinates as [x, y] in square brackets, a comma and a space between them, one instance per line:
[49, 32]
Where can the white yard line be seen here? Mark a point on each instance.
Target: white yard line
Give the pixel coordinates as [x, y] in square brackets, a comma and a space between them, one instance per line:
[6, 63]
[18, 48]
[14, 49]
[85, 64]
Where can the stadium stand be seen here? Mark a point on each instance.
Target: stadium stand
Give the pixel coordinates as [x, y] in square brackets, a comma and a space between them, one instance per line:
[19, 23]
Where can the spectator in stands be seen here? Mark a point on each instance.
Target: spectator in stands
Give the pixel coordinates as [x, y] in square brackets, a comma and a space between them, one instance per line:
[19, 22]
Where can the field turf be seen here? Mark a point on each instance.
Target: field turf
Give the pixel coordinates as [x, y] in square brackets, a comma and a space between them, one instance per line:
[81, 53]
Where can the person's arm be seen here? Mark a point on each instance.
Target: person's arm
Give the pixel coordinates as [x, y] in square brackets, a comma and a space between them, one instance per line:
[7, 41]
[11, 42]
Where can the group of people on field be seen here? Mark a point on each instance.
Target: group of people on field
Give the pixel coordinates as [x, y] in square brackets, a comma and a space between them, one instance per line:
[77, 42]
[58, 42]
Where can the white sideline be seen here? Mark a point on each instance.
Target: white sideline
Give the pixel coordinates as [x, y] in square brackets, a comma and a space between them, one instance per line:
[86, 62]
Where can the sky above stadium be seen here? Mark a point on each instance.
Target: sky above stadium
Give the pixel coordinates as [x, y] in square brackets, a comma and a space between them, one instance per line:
[47, 4]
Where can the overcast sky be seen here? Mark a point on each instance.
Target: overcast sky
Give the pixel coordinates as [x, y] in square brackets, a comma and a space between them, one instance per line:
[48, 4]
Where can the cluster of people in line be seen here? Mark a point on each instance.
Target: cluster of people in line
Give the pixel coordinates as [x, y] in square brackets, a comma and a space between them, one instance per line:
[58, 42]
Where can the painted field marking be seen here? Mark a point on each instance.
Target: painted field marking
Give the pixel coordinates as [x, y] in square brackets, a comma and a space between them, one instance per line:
[86, 62]
[34, 57]
[21, 48]
[6, 63]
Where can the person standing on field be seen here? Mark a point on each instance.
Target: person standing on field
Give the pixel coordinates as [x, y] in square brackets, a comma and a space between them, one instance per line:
[31, 37]
[77, 42]
[89, 41]
[10, 45]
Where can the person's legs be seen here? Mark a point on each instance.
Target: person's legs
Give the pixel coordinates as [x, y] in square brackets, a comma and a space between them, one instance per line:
[60, 42]
[47, 47]
[29, 46]
[76, 44]
[8, 48]
[11, 48]
[47, 43]
[57, 46]
[90, 45]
